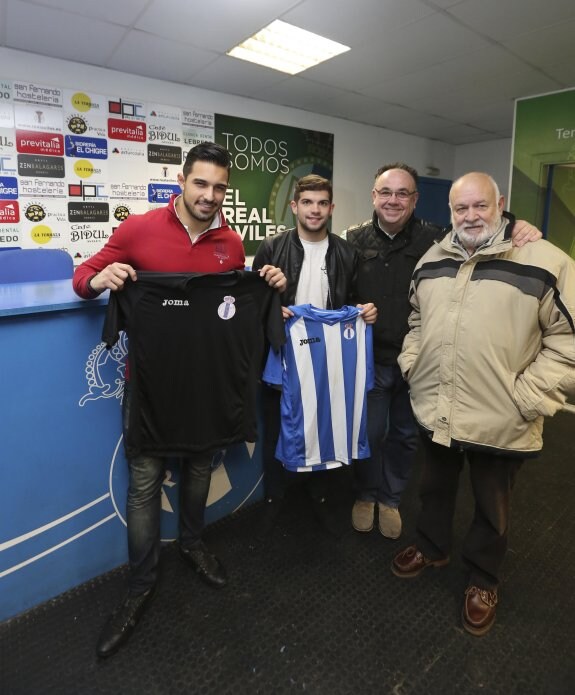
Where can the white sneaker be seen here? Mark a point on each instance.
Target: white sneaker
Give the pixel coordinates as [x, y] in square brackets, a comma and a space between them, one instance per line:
[389, 521]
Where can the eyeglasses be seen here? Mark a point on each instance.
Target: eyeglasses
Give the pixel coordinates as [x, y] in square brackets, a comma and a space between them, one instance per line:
[386, 194]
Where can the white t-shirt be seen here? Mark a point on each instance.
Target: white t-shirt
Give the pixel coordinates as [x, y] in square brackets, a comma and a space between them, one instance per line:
[313, 287]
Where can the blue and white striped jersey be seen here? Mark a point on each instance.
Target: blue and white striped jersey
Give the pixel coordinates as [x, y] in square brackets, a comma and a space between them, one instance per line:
[325, 370]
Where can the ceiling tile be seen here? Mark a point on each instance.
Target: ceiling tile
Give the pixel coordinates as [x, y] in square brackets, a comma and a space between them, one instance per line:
[142, 54]
[233, 76]
[113, 11]
[70, 36]
[504, 20]
[432, 40]
[217, 25]
[341, 21]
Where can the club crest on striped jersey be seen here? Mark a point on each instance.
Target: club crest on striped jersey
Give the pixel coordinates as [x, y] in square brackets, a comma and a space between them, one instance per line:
[348, 331]
[226, 309]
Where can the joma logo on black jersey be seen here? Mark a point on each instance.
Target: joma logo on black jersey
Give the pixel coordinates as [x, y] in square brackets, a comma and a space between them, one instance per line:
[175, 302]
[307, 341]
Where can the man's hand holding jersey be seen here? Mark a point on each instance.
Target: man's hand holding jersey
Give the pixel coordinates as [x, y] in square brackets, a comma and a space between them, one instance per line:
[112, 277]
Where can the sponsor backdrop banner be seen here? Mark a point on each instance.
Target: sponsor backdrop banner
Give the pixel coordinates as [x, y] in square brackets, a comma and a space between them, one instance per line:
[543, 175]
[74, 164]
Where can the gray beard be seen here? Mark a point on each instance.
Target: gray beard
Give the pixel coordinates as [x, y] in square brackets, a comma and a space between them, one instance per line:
[474, 241]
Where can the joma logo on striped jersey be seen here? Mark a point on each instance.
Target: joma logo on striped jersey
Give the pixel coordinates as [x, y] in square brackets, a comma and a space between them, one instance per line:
[307, 341]
[175, 302]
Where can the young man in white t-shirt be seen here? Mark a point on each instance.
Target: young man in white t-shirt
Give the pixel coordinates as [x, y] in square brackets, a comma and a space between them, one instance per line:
[321, 269]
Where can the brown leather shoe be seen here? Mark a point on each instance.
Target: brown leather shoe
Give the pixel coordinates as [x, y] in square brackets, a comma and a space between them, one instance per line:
[410, 562]
[478, 614]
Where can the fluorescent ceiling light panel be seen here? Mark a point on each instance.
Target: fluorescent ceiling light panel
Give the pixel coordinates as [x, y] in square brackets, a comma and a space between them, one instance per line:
[283, 47]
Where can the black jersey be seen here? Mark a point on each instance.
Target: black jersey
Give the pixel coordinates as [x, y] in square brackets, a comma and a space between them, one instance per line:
[196, 346]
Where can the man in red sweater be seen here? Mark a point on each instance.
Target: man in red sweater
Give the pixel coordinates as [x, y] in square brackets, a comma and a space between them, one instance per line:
[188, 235]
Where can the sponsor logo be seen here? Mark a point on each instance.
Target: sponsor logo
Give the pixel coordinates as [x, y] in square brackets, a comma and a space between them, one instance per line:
[198, 118]
[88, 212]
[81, 102]
[38, 165]
[7, 164]
[134, 151]
[175, 302]
[95, 148]
[126, 130]
[6, 140]
[77, 125]
[11, 236]
[308, 341]
[42, 234]
[9, 211]
[84, 169]
[165, 113]
[126, 109]
[159, 133]
[85, 232]
[226, 309]
[121, 212]
[86, 190]
[161, 193]
[37, 93]
[31, 187]
[123, 191]
[31, 142]
[8, 187]
[34, 212]
[164, 154]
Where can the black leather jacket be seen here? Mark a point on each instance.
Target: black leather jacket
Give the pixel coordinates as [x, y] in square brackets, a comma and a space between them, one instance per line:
[285, 251]
[385, 269]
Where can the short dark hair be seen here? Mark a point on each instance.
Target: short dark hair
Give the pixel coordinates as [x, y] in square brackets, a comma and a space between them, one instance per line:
[398, 165]
[207, 152]
[312, 182]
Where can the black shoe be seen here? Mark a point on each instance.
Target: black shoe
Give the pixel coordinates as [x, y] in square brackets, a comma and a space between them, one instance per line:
[122, 622]
[205, 564]
[326, 518]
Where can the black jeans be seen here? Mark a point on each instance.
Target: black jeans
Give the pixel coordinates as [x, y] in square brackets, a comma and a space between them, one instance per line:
[276, 478]
[492, 478]
[144, 508]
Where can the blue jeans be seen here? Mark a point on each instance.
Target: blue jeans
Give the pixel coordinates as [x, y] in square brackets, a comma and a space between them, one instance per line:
[144, 508]
[393, 438]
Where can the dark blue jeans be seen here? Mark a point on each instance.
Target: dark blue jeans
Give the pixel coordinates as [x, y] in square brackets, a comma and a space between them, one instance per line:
[393, 438]
[144, 508]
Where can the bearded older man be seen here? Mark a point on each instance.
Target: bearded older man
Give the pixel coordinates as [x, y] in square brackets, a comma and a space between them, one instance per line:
[490, 353]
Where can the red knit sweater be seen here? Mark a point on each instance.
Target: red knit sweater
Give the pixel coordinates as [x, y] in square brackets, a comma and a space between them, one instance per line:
[158, 241]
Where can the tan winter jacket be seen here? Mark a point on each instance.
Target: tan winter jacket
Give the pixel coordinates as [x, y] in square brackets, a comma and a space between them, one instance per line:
[491, 349]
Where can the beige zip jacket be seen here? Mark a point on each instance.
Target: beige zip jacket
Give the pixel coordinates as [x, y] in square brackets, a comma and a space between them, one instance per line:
[491, 347]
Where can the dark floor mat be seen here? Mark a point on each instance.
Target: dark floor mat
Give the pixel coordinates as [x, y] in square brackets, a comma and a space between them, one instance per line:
[308, 612]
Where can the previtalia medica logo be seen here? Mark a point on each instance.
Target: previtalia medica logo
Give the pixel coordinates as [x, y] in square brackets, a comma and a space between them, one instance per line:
[126, 130]
[9, 212]
[32, 142]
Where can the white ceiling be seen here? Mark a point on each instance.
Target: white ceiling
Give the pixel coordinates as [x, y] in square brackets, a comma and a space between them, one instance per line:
[442, 69]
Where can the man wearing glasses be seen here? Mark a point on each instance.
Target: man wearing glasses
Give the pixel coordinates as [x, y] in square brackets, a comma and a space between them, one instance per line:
[389, 246]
